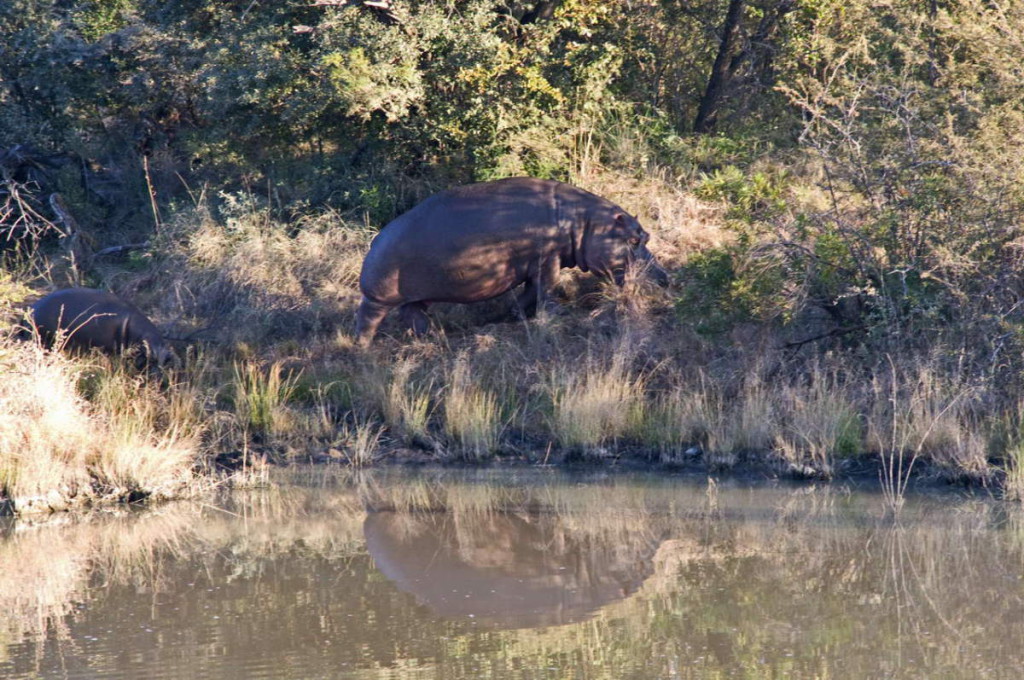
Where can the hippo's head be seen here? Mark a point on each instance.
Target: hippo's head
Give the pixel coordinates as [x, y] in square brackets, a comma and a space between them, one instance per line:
[161, 353]
[153, 353]
[611, 247]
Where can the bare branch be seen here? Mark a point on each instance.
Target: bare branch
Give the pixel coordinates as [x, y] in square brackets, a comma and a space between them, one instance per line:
[118, 250]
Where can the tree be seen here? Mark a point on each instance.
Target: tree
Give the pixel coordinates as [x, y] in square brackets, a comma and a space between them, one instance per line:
[721, 71]
[734, 51]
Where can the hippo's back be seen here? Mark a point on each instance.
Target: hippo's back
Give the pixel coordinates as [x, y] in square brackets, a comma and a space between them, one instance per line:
[464, 222]
[95, 318]
[499, 207]
[75, 305]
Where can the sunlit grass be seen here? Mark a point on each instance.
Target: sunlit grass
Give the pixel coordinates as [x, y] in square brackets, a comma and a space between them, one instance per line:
[407, 402]
[57, 447]
[262, 397]
[47, 433]
[472, 415]
[593, 401]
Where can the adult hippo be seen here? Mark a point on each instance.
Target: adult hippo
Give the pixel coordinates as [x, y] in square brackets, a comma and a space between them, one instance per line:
[478, 241]
[80, 318]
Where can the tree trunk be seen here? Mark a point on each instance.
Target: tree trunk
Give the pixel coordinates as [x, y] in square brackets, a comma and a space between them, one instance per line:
[542, 11]
[707, 114]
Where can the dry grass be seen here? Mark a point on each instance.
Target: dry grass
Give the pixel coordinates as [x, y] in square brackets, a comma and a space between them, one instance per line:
[406, 402]
[56, 447]
[1009, 435]
[152, 439]
[917, 415]
[1013, 486]
[258, 279]
[821, 424]
[361, 441]
[472, 415]
[262, 396]
[689, 416]
[46, 430]
[743, 424]
[594, 401]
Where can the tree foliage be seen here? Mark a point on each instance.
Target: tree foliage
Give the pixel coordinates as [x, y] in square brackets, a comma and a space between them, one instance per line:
[866, 152]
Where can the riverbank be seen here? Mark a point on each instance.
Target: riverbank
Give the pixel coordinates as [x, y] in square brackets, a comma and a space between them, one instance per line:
[599, 385]
[840, 213]
[636, 375]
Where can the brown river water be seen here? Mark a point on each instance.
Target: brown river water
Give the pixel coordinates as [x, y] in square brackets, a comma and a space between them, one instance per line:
[518, 574]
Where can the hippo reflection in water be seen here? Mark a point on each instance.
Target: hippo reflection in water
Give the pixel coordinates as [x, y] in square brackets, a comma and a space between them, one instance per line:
[504, 570]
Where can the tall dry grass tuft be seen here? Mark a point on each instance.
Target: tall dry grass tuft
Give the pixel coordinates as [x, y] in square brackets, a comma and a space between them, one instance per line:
[745, 423]
[915, 414]
[188, 392]
[472, 415]
[406, 402]
[594, 401]
[58, 448]
[1007, 441]
[700, 414]
[361, 441]
[683, 418]
[152, 439]
[821, 424]
[46, 430]
[261, 397]
[1013, 485]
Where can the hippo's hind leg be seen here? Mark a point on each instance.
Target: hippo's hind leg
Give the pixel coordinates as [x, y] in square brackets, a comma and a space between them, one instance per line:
[414, 315]
[368, 318]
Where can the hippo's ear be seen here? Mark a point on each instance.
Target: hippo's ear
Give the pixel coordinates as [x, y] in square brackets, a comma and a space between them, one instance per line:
[622, 224]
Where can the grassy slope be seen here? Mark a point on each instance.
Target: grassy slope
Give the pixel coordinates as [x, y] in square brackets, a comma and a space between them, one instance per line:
[620, 372]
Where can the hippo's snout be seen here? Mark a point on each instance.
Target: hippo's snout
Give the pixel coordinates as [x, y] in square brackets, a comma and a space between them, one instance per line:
[658, 274]
[651, 268]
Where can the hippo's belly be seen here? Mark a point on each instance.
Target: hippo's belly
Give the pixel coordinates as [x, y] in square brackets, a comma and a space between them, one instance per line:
[474, 275]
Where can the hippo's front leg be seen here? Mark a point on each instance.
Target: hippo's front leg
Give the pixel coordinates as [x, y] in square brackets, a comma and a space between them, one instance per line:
[536, 293]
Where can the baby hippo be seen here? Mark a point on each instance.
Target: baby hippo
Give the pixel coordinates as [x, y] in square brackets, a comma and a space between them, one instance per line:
[86, 317]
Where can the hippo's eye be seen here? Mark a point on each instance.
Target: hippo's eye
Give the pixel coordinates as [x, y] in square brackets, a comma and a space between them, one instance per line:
[635, 241]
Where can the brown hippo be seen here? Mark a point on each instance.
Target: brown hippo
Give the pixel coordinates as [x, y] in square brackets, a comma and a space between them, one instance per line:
[87, 317]
[478, 241]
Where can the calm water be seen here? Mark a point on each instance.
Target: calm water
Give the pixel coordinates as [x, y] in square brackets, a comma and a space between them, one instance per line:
[518, 574]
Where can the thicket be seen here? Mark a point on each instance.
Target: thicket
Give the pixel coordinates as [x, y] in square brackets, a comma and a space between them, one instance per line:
[863, 159]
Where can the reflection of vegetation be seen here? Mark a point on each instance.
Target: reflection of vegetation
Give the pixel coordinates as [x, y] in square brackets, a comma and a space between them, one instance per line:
[765, 582]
